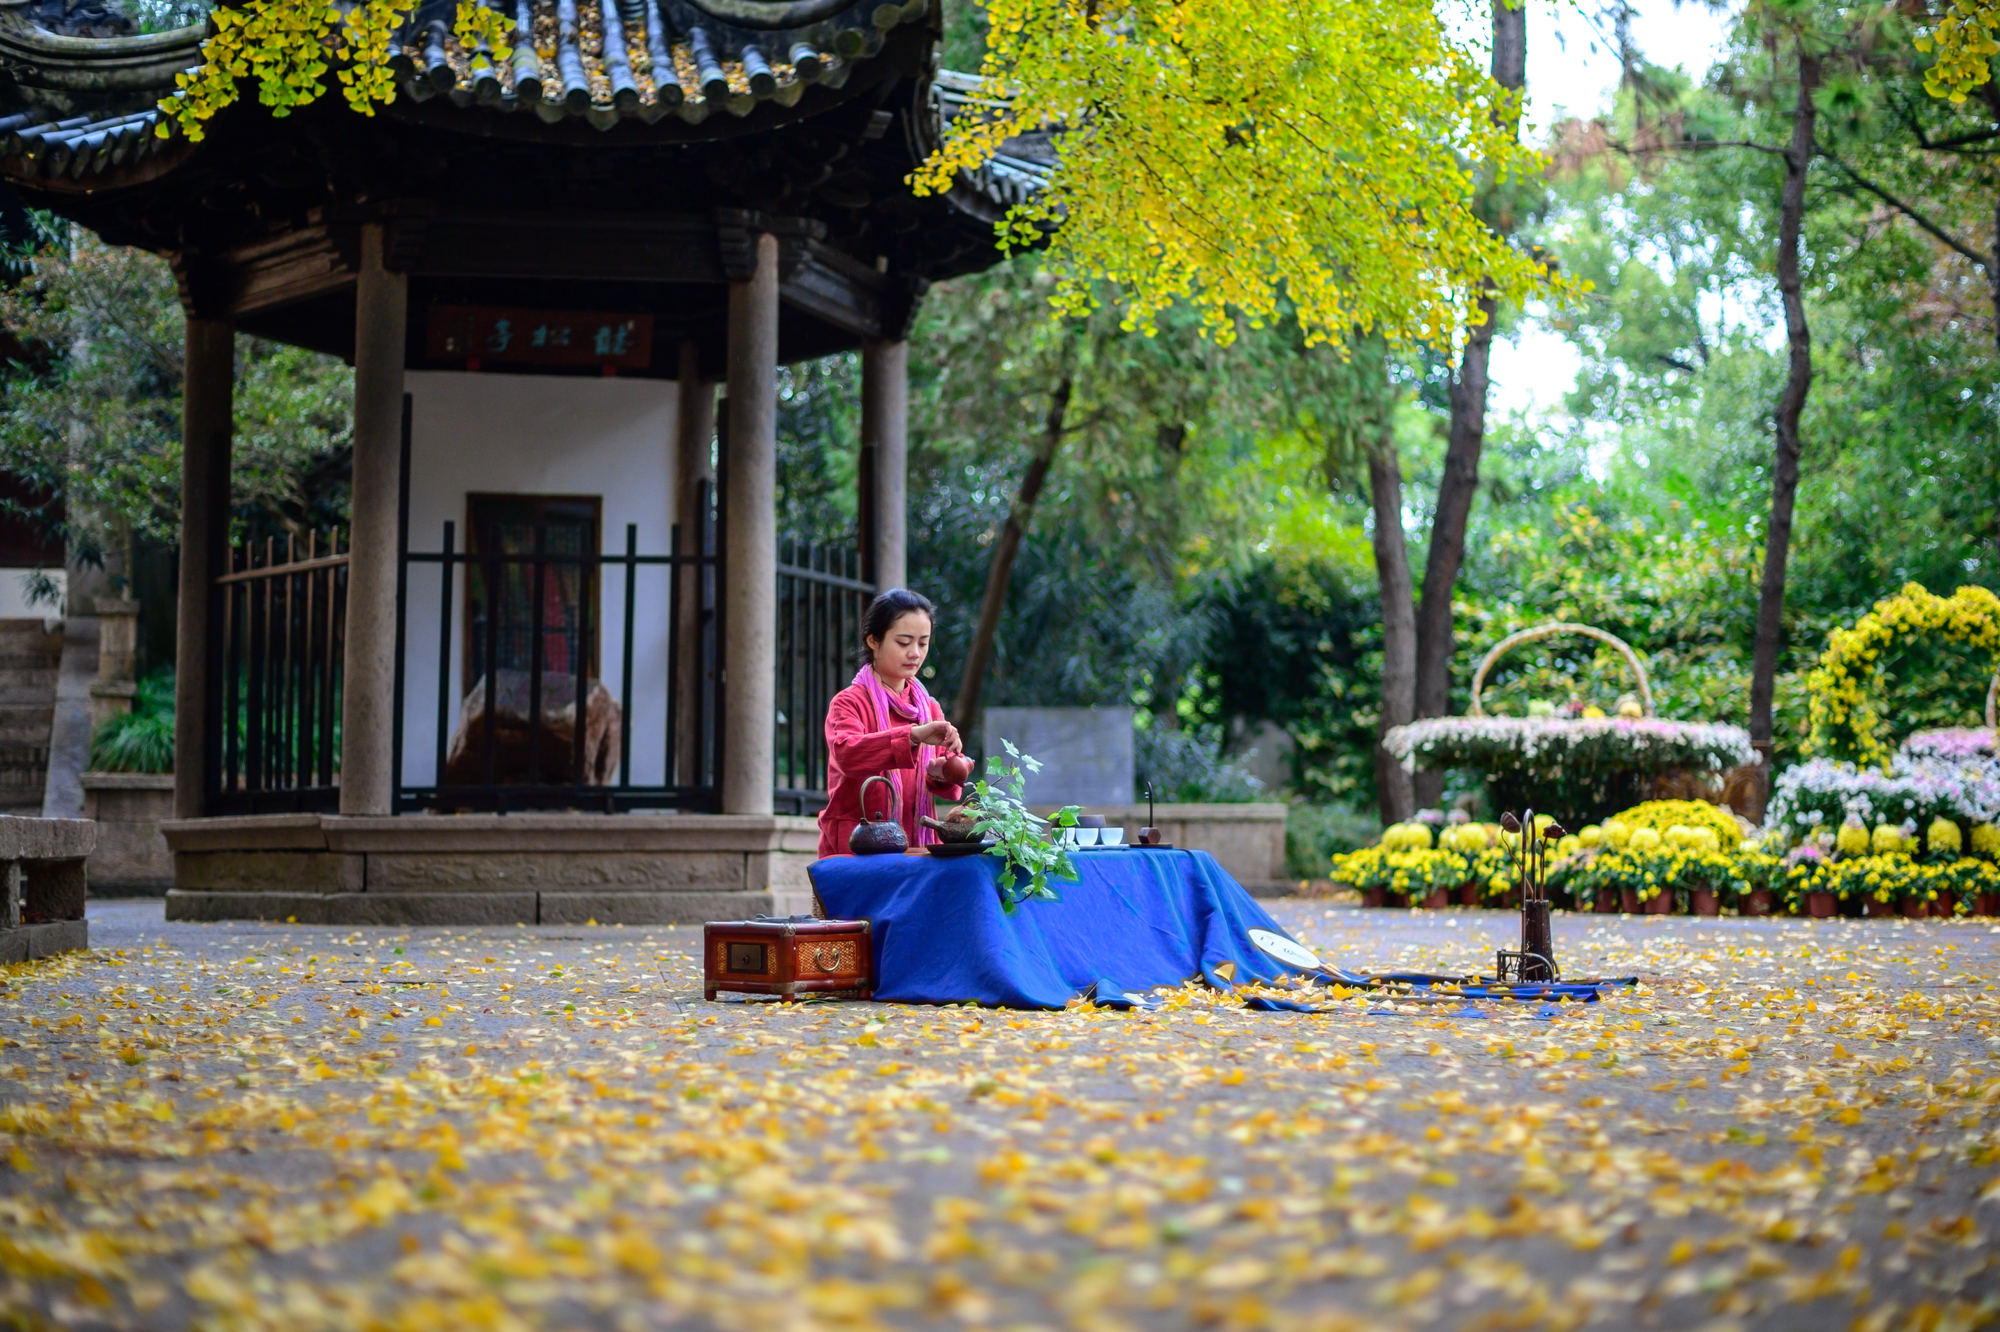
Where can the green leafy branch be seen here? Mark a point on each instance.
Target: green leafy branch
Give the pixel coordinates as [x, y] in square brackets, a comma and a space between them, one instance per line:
[1021, 838]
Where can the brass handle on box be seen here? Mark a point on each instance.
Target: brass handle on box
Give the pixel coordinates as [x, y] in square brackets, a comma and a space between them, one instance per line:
[819, 960]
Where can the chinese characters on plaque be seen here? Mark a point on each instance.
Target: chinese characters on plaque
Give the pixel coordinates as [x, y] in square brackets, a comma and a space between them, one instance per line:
[478, 333]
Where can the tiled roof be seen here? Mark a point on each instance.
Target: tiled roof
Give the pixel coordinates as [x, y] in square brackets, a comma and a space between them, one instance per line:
[78, 146]
[85, 109]
[1022, 166]
[94, 100]
[646, 59]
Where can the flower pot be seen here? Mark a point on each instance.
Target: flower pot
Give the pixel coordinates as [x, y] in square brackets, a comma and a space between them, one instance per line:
[1946, 905]
[1916, 908]
[1437, 901]
[1660, 904]
[1374, 897]
[1704, 902]
[1512, 901]
[1757, 902]
[1628, 901]
[1987, 904]
[1469, 895]
[1607, 903]
[1820, 906]
[1874, 908]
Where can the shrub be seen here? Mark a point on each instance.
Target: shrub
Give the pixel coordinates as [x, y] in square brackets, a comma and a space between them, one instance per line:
[141, 740]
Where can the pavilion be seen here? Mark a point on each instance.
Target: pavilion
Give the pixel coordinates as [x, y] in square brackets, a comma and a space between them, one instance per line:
[541, 269]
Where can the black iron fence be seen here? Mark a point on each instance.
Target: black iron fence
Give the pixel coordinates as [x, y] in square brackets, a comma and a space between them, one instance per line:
[532, 702]
[514, 689]
[283, 617]
[822, 602]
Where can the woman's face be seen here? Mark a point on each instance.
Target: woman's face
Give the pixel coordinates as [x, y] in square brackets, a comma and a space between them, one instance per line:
[901, 652]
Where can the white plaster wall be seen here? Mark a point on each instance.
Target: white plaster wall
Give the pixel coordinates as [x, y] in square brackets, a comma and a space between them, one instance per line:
[14, 603]
[541, 435]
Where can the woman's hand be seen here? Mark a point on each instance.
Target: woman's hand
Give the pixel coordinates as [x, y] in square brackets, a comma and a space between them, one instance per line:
[941, 734]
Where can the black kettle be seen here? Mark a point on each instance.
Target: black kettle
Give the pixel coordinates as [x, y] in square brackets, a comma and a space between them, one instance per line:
[879, 839]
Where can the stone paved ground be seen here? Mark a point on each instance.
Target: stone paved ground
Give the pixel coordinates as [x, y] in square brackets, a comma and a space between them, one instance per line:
[1794, 1124]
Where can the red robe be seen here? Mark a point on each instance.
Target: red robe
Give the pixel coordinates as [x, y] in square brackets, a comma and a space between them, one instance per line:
[856, 751]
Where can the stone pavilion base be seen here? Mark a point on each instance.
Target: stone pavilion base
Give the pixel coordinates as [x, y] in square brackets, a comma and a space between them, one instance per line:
[491, 869]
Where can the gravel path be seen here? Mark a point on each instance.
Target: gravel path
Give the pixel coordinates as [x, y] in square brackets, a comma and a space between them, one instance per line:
[1790, 1124]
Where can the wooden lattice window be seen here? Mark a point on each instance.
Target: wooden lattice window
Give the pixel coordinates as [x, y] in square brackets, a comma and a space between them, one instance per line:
[507, 524]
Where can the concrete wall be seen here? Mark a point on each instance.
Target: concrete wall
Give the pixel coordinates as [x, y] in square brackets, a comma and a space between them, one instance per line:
[1247, 840]
[541, 435]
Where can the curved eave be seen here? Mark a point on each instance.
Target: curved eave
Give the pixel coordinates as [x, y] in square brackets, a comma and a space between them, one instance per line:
[75, 75]
[87, 156]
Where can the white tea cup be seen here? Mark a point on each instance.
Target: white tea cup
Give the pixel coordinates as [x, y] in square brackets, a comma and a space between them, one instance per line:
[1111, 837]
[1085, 836]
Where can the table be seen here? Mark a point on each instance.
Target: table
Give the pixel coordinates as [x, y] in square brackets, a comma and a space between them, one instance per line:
[1137, 918]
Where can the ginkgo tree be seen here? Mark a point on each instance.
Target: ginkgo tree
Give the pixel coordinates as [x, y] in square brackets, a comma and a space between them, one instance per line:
[1961, 42]
[1319, 157]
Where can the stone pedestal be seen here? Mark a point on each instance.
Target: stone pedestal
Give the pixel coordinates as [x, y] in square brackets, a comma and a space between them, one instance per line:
[42, 886]
[116, 685]
[491, 869]
[131, 858]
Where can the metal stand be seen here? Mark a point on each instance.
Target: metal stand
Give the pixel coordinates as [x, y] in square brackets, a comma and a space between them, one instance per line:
[1535, 960]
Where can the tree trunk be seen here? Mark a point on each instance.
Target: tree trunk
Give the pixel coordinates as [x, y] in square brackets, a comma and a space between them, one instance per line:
[1785, 464]
[980, 654]
[1465, 440]
[1394, 791]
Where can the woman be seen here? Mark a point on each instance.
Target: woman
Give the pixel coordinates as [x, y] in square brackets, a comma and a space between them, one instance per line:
[885, 725]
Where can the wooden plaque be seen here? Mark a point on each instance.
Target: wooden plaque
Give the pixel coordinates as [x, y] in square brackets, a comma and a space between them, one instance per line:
[506, 335]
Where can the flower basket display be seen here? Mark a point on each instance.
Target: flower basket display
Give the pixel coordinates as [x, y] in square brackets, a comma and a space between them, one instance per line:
[1586, 767]
[1844, 691]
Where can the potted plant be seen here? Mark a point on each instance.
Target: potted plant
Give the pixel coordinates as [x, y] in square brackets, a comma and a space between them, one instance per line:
[1021, 841]
[1805, 883]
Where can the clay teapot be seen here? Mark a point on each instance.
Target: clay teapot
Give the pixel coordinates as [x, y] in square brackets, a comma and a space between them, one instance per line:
[884, 838]
[950, 770]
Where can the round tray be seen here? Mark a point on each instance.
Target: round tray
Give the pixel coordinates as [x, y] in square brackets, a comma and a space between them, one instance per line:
[947, 850]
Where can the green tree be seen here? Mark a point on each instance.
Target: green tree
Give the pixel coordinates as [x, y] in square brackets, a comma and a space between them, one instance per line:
[93, 411]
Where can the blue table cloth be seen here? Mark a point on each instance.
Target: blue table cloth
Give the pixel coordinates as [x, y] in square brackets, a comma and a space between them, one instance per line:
[1138, 918]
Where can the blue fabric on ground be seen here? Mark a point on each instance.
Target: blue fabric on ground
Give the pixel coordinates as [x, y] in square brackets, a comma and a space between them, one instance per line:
[1146, 917]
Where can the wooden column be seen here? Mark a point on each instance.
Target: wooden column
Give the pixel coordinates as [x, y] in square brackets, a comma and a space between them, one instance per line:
[884, 469]
[208, 378]
[694, 463]
[750, 528]
[381, 301]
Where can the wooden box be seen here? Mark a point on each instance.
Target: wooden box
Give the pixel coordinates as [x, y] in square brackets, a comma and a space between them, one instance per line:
[792, 957]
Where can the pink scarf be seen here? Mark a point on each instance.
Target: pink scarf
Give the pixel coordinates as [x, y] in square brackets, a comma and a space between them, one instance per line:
[917, 711]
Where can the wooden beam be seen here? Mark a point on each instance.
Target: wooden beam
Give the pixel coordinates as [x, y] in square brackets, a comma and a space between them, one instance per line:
[574, 247]
[298, 266]
[828, 284]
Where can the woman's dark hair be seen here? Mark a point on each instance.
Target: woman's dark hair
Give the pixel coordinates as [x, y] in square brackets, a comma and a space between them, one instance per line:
[884, 611]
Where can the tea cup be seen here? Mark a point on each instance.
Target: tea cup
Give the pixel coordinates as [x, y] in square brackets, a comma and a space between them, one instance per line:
[1085, 836]
[1111, 837]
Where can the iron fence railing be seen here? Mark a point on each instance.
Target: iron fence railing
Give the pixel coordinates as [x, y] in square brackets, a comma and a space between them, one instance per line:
[822, 602]
[283, 612]
[508, 738]
[477, 727]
